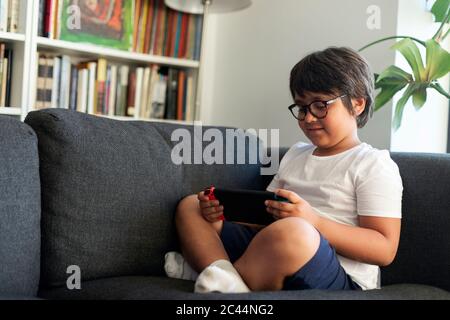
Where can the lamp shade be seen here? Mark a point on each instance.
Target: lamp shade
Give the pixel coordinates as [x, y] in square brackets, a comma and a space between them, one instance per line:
[216, 6]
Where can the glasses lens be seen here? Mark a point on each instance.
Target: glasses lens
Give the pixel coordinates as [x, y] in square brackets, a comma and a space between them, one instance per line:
[298, 112]
[319, 109]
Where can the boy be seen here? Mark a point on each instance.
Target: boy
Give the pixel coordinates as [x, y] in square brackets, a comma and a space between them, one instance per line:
[343, 219]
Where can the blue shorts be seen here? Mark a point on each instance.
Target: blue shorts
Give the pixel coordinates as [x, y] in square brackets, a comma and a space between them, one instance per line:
[322, 271]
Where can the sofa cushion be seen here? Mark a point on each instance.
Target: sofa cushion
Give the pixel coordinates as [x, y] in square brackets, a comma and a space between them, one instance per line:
[19, 209]
[149, 288]
[110, 190]
[424, 252]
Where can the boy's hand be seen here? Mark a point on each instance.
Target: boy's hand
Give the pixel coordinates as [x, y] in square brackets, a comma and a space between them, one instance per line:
[211, 210]
[297, 207]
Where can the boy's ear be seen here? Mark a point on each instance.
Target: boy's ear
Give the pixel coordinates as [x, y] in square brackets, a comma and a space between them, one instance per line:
[359, 104]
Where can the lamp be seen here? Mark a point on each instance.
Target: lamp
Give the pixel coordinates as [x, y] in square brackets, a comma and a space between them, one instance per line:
[213, 6]
[205, 7]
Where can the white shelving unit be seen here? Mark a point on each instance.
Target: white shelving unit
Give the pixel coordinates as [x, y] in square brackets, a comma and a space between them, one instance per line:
[20, 44]
[26, 43]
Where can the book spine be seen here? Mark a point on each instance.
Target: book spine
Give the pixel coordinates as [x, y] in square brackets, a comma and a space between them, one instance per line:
[56, 81]
[92, 67]
[137, 14]
[180, 94]
[101, 90]
[42, 15]
[144, 93]
[49, 82]
[131, 94]
[4, 16]
[83, 79]
[73, 87]
[148, 27]
[3, 89]
[64, 90]
[172, 86]
[48, 18]
[113, 91]
[9, 55]
[122, 91]
[14, 21]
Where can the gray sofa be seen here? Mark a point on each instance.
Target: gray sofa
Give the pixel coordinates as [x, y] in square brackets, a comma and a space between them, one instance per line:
[82, 190]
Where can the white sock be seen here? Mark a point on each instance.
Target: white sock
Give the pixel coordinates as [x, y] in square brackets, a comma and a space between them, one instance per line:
[178, 268]
[220, 276]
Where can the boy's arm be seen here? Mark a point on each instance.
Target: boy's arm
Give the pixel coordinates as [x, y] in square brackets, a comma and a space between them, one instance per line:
[375, 241]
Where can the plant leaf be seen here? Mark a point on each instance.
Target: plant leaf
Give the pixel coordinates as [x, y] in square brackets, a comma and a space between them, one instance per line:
[440, 9]
[420, 96]
[412, 54]
[439, 89]
[385, 95]
[400, 106]
[391, 80]
[438, 61]
[395, 73]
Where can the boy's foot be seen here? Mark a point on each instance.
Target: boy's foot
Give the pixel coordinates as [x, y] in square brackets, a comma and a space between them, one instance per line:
[220, 276]
[178, 268]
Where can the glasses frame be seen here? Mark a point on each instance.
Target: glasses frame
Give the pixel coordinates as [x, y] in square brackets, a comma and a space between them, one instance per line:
[325, 103]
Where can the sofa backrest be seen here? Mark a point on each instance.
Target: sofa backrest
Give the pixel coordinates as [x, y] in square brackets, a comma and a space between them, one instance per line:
[19, 209]
[424, 252]
[110, 190]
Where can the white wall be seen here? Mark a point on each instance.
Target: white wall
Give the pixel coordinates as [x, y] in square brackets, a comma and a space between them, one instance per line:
[250, 53]
[424, 130]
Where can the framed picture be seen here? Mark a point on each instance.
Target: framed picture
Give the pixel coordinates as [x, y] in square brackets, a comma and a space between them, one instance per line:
[102, 22]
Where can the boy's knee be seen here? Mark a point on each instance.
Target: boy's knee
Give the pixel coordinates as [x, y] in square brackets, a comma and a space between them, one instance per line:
[186, 206]
[293, 235]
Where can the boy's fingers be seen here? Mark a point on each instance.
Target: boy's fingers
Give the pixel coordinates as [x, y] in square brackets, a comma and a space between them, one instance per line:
[290, 195]
[208, 204]
[215, 217]
[277, 204]
[212, 210]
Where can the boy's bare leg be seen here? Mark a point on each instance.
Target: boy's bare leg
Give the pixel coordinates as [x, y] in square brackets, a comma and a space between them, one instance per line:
[277, 251]
[199, 239]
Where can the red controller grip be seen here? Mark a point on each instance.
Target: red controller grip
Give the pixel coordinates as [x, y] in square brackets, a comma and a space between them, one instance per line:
[210, 193]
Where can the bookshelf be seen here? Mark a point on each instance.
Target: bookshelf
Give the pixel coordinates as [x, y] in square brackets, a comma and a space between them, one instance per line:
[27, 44]
[18, 42]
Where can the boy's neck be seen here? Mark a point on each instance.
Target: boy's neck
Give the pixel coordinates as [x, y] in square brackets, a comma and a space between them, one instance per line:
[340, 147]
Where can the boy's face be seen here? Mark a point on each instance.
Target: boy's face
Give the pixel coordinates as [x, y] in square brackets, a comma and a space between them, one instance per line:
[338, 129]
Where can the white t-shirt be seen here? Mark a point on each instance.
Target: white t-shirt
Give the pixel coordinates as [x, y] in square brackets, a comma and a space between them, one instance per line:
[359, 181]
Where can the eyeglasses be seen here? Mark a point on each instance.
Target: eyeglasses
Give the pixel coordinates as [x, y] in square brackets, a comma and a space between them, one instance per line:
[319, 109]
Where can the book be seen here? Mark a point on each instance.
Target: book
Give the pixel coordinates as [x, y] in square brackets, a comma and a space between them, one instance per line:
[73, 87]
[101, 85]
[122, 90]
[102, 22]
[112, 91]
[56, 82]
[64, 88]
[44, 82]
[82, 90]
[9, 55]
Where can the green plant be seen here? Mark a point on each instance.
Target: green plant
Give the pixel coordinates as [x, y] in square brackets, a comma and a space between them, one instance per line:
[394, 79]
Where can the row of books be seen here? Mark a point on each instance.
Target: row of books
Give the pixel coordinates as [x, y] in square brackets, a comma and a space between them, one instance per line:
[99, 87]
[161, 31]
[9, 15]
[6, 62]
[144, 26]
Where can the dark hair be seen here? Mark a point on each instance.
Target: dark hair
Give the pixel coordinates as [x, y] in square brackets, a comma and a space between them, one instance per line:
[337, 71]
